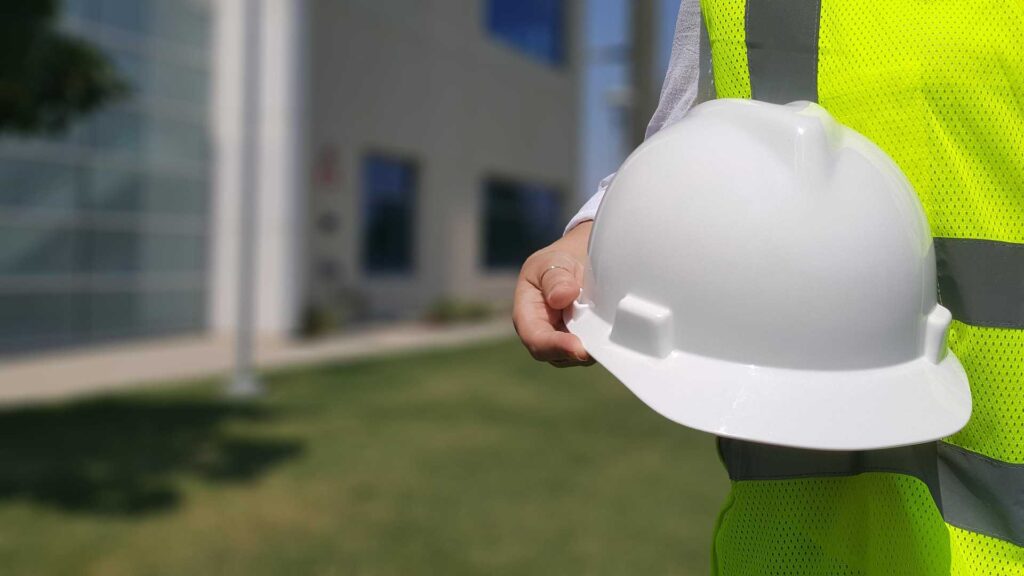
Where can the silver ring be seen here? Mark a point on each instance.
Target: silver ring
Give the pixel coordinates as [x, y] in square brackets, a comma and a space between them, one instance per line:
[549, 269]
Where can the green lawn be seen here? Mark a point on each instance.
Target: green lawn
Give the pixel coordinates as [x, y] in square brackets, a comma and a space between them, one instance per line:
[475, 461]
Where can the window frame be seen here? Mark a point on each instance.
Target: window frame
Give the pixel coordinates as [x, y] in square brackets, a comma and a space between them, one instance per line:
[557, 191]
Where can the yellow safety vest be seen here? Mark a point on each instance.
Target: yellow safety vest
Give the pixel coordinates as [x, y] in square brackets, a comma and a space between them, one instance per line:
[939, 85]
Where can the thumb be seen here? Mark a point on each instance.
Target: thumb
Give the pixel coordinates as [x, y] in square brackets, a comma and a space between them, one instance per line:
[560, 282]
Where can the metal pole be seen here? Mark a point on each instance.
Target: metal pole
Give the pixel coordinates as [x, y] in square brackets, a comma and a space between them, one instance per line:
[245, 382]
[644, 93]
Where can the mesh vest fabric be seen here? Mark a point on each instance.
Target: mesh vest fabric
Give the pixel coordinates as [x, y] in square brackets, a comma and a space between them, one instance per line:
[939, 85]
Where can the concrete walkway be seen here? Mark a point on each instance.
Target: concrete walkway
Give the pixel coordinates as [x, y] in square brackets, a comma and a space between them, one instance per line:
[59, 376]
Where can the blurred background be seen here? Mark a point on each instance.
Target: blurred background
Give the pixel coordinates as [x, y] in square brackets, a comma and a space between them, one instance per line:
[256, 263]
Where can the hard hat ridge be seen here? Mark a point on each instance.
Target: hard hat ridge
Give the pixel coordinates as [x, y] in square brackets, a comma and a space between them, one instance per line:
[802, 135]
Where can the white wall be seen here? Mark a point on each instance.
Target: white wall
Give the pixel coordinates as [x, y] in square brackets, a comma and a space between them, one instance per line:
[423, 80]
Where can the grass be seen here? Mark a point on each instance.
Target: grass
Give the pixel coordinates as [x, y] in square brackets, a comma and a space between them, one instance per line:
[475, 461]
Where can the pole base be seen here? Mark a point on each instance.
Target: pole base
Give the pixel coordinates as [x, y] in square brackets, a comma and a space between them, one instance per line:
[245, 386]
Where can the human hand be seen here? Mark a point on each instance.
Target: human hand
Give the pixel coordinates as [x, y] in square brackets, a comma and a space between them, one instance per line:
[549, 282]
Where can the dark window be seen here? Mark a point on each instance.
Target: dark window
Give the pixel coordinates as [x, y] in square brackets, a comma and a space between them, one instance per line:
[519, 219]
[389, 208]
[537, 27]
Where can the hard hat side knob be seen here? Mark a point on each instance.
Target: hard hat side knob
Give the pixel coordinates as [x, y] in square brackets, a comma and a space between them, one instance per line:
[643, 327]
[936, 332]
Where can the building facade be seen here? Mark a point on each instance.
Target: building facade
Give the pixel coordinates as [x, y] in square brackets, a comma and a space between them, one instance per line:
[444, 148]
[104, 228]
[398, 154]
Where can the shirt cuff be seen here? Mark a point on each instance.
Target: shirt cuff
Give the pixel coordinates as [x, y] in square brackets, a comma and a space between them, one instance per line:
[589, 209]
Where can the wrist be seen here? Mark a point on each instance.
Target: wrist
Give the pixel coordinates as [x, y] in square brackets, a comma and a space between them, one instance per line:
[575, 241]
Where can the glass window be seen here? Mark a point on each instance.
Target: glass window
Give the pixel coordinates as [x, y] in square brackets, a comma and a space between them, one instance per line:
[179, 253]
[518, 220]
[85, 9]
[184, 21]
[34, 320]
[537, 27]
[125, 191]
[113, 314]
[158, 76]
[150, 313]
[389, 207]
[36, 250]
[30, 184]
[176, 81]
[118, 130]
[112, 252]
[124, 15]
[114, 190]
[130, 65]
[175, 141]
[172, 311]
[119, 252]
[184, 195]
[133, 135]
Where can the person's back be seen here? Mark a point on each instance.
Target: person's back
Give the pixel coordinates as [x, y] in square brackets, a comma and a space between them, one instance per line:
[939, 85]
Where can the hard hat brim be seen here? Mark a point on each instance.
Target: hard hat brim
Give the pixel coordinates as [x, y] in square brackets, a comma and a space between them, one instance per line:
[898, 405]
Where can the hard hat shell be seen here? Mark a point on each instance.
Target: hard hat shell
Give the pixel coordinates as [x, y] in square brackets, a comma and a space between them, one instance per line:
[763, 272]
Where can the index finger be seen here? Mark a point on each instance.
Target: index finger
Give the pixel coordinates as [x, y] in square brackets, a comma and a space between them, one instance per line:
[541, 328]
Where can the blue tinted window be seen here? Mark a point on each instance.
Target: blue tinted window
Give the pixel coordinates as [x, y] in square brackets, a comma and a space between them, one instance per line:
[537, 27]
[389, 209]
[519, 219]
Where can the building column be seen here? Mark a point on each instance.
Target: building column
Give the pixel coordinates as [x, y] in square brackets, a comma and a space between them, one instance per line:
[280, 178]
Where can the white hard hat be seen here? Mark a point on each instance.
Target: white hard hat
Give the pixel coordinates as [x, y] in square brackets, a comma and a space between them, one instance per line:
[763, 272]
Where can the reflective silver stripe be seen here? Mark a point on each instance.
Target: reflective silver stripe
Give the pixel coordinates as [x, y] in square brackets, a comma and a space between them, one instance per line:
[982, 281]
[705, 76]
[751, 461]
[782, 49]
[974, 492]
[982, 495]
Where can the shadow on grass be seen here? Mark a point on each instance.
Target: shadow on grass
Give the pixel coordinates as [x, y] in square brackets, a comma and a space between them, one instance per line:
[127, 456]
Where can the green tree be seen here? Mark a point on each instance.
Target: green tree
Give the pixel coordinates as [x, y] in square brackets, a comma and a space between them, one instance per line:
[47, 77]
